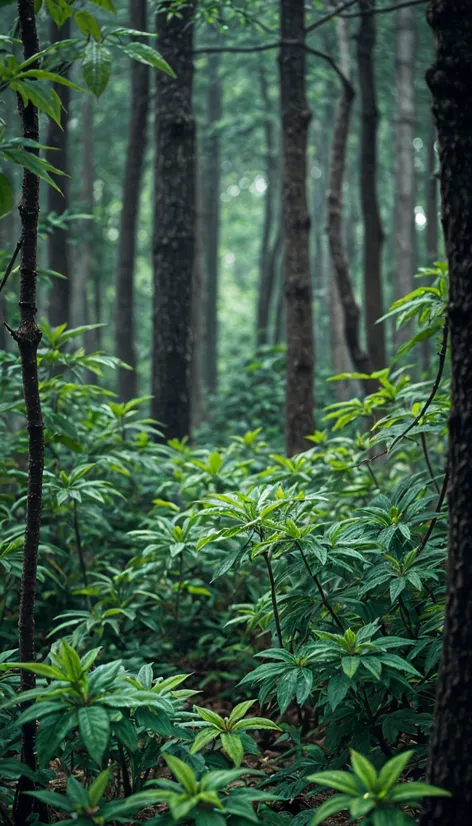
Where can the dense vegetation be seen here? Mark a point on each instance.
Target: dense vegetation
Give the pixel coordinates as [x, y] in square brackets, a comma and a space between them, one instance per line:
[218, 605]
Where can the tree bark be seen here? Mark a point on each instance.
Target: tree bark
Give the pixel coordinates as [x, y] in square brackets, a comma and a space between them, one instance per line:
[373, 232]
[212, 221]
[28, 337]
[404, 223]
[431, 199]
[299, 403]
[266, 268]
[125, 327]
[450, 765]
[58, 246]
[342, 286]
[174, 228]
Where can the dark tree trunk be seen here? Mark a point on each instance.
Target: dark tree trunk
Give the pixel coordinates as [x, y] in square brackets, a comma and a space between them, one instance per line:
[431, 199]
[351, 312]
[450, 764]
[266, 268]
[373, 233]
[125, 329]
[28, 337]
[174, 229]
[58, 247]
[212, 221]
[299, 418]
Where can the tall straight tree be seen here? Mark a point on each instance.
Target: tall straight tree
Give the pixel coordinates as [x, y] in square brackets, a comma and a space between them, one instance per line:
[212, 177]
[404, 218]
[58, 202]
[431, 198]
[174, 223]
[299, 403]
[125, 328]
[450, 765]
[373, 232]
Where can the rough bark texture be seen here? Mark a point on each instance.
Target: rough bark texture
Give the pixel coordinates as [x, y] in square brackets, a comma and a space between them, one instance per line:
[342, 285]
[125, 331]
[28, 337]
[212, 221]
[449, 79]
[58, 247]
[266, 259]
[431, 200]
[404, 258]
[174, 230]
[373, 233]
[299, 420]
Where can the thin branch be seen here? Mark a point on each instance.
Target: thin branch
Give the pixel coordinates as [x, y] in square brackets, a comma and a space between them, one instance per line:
[273, 594]
[428, 461]
[385, 9]
[329, 16]
[439, 505]
[11, 264]
[318, 584]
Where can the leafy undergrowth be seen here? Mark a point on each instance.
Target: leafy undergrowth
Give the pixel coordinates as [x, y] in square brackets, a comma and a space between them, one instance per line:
[179, 582]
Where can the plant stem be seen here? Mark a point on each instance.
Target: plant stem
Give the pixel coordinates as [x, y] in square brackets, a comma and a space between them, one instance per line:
[273, 593]
[428, 461]
[318, 584]
[124, 770]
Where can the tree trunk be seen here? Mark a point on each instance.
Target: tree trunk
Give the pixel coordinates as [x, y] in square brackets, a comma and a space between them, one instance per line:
[197, 295]
[58, 246]
[373, 233]
[431, 199]
[342, 287]
[28, 337]
[174, 227]
[266, 268]
[82, 277]
[404, 223]
[299, 416]
[450, 765]
[212, 220]
[125, 329]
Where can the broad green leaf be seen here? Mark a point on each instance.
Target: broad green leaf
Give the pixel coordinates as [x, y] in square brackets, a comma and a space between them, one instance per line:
[6, 195]
[341, 781]
[397, 585]
[71, 661]
[146, 54]
[286, 689]
[94, 727]
[57, 801]
[97, 788]
[96, 67]
[338, 687]
[350, 665]
[203, 739]
[335, 804]
[304, 685]
[404, 792]
[240, 710]
[209, 818]
[255, 724]
[364, 770]
[88, 25]
[52, 731]
[59, 10]
[182, 772]
[108, 5]
[41, 669]
[392, 770]
[211, 717]
[233, 747]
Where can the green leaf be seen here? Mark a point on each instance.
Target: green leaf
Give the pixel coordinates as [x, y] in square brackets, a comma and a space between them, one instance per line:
[286, 689]
[394, 661]
[146, 54]
[350, 665]
[360, 807]
[43, 670]
[392, 770]
[233, 747]
[145, 677]
[57, 801]
[209, 818]
[335, 804]
[88, 25]
[397, 585]
[256, 724]
[52, 731]
[364, 770]
[415, 791]
[341, 781]
[59, 10]
[6, 195]
[108, 5]
[96, 67]
[31, 162]
[97, 788]
[211, 717]
[125, 732]
[182, 772]
[304, 685]
[338, 687]
[94, 727]
[71, 661]
[203, 738]
[240, 710]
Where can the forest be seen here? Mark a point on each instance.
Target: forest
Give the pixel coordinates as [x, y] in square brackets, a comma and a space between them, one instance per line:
[235, 412]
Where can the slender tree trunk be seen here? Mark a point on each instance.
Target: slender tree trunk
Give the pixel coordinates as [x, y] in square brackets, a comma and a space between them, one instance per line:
[83, 275]
[279, 322]
[58, 247]
[404, 226]
[299, 417]
[212, 220]
[431, 199]
[125, 328]
[342, 287]
[449, 79]
[197, 295]
[28, 337]
[266, 269]
[373, 233]
[174, 228]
